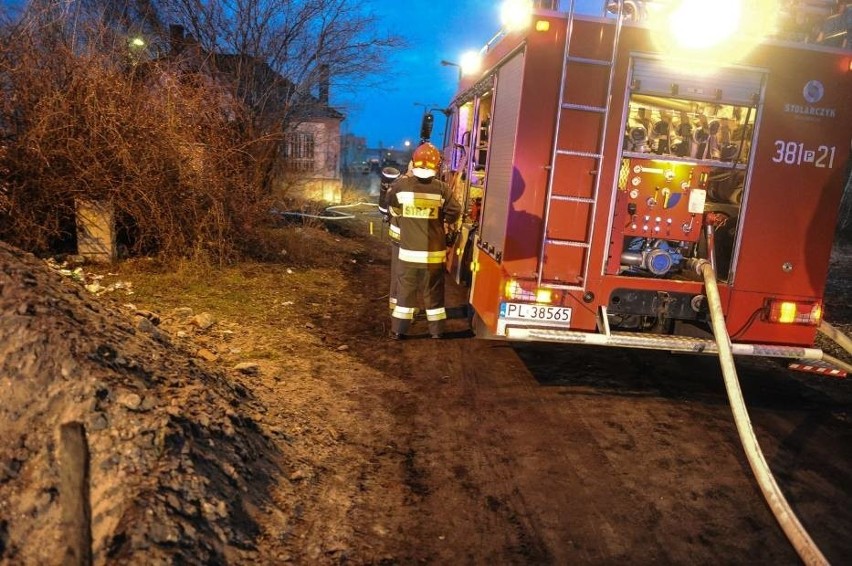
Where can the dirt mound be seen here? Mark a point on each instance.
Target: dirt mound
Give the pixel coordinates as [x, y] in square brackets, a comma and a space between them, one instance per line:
[176, 468]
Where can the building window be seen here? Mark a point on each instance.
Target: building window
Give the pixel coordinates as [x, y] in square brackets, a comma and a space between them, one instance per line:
[299, 151]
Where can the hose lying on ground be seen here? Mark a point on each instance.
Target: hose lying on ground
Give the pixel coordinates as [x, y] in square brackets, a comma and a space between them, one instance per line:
[839, 364]
[332, 210]
[796, 533]
[841, 339]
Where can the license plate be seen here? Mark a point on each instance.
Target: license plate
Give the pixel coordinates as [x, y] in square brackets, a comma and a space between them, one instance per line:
[536, 313]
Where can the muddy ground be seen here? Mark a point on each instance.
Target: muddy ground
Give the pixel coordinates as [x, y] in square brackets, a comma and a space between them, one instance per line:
[259, 415]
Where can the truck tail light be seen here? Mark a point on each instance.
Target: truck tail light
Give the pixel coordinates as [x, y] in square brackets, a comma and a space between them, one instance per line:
[543, 296]
[516, 290]
[793, 312]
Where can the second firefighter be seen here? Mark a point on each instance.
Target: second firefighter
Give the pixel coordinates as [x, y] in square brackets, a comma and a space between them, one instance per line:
[423, 205]
[388, 176]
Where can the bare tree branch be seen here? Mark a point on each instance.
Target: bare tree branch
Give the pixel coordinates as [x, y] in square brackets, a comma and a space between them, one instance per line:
[103, 101]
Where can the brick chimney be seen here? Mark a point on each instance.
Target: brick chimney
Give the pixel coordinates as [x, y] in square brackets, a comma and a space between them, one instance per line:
[324, 76]
[176, 38]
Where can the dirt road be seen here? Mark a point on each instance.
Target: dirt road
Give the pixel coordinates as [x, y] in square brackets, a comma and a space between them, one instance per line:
[493, 454]
[467, 451]
[340, 446]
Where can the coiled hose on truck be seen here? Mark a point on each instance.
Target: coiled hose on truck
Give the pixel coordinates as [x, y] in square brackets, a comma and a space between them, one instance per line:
[796, 533]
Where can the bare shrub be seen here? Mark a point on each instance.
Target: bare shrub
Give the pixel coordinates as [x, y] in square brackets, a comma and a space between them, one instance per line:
[183, 153]
[161, 145]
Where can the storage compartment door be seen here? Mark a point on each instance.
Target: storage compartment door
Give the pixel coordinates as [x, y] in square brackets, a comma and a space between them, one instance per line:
[498, 181]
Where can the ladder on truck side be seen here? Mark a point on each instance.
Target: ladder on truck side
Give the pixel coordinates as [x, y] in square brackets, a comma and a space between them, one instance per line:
[574, 204]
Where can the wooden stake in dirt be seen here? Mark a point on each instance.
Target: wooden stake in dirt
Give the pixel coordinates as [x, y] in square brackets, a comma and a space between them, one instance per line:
[74, 494]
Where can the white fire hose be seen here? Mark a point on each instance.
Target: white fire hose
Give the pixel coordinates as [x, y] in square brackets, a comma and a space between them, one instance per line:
[841, 339]
[796, 533]
[333, 212]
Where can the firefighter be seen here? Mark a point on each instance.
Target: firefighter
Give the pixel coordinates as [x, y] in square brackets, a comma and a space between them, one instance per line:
[423, 206]
[387, 177]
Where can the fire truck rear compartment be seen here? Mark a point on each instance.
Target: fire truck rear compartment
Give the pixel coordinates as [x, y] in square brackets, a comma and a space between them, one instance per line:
[598, 190]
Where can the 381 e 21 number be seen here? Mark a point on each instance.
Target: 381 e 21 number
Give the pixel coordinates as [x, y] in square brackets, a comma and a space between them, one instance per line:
[794, 153]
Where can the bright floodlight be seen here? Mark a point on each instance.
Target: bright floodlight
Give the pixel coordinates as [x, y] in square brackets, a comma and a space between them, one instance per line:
[137, 42]
[700, 24]
[516, 14]
[470, 63]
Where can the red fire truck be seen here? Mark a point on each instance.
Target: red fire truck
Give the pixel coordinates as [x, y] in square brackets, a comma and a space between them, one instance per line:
[598, 160]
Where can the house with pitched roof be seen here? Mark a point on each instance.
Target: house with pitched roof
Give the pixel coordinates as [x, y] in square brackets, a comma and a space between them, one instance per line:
[308, 158]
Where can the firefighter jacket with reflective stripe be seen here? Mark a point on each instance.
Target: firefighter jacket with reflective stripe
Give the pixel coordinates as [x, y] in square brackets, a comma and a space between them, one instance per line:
[384, 189]
[393, 229]
[421, 208]
[384, 208]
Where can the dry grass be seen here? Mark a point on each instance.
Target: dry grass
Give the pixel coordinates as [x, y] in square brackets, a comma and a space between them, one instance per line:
[309, 261]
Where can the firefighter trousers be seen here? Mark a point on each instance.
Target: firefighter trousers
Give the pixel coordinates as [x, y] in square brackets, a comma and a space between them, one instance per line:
[427, 279]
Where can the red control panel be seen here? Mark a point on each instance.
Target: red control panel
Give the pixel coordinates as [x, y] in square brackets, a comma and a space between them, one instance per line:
[657, 199]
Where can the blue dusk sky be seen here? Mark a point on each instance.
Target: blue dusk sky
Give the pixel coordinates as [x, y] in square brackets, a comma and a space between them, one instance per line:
[432, 30]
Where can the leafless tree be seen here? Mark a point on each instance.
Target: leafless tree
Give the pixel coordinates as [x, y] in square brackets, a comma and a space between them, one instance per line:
[102, 101]
[287, 51]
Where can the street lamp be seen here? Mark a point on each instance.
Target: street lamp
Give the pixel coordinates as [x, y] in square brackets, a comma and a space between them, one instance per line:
[136, 47]
[427, 107]
[451, 64]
